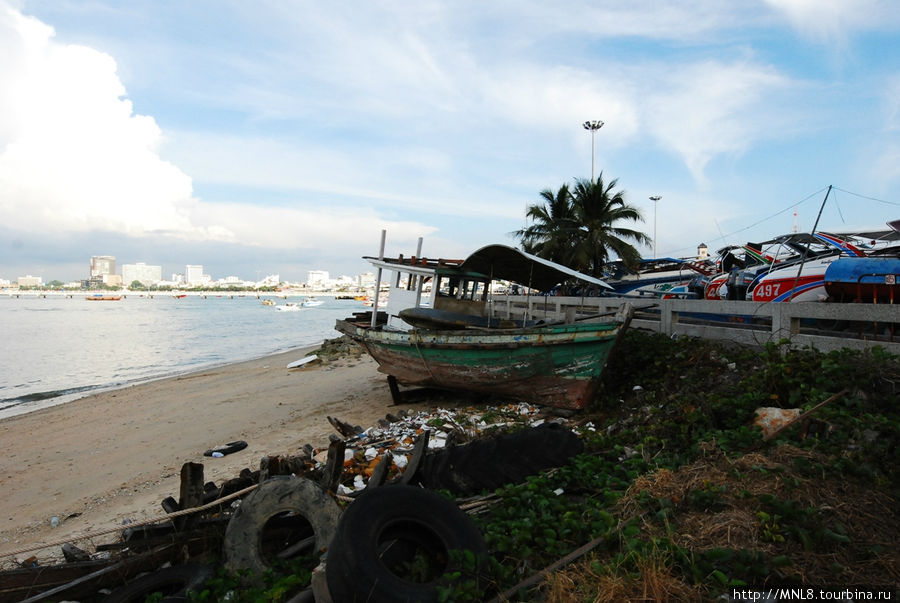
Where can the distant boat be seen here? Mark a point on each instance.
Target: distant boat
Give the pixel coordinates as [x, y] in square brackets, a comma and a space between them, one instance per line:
[180, 295]
[103, 297]
[311, 302]
[268, 302]
[288, 307]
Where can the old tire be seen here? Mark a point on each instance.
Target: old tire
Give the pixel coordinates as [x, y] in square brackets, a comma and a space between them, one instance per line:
[488, 463]
[173, 582]
[227, 448]
[277, 498]
[388, 527]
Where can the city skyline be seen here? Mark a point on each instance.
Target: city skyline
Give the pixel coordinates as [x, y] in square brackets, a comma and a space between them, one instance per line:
[261, 141]
[312, 275]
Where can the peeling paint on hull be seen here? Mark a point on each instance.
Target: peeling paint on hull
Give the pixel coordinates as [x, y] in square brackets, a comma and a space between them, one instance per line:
[551, 365]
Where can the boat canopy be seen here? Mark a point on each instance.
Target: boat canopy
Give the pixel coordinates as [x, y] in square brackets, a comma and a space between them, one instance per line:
[507, 263]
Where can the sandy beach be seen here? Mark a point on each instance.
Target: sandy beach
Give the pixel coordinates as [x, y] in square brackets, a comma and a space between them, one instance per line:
[112, 457]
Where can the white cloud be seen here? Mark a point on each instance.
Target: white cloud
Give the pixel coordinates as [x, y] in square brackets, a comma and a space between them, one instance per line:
[707, 109]
[836, 20]
[298, 228]
[310, 174]
[560, 98]
[74, 156]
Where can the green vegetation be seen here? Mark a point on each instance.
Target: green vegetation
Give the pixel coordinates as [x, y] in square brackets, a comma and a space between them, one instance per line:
[274, 586]
[685, 497]
[682, 497]
[583, 226]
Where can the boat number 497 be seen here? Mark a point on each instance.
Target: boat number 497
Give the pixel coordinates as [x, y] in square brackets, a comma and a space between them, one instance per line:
[768, 290]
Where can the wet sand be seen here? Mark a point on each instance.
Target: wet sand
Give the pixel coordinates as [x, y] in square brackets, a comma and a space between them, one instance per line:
[112, 457]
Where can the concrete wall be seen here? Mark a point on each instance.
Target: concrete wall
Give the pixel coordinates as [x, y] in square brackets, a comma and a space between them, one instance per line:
[823, 326]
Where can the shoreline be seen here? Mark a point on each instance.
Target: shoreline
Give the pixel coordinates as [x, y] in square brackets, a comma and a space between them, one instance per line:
[111, 457]
[79, 393]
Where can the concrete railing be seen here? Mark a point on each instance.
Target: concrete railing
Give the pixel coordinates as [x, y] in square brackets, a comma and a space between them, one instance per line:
[823, 326]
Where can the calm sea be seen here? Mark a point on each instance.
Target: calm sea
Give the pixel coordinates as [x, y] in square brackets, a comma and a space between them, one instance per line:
[55, 350]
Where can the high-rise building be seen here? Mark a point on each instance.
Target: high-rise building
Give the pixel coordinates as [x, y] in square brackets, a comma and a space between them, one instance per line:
[317, 278]
[147, 275]
[30, 281]
[102, 265]
[193, 275]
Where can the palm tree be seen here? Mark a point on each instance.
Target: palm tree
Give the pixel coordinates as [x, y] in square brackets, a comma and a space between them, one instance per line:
[600, 211]
[578, 228]
[553, 225]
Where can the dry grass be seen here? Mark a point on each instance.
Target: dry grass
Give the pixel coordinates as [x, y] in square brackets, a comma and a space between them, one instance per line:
[591, 581]
[867, 514]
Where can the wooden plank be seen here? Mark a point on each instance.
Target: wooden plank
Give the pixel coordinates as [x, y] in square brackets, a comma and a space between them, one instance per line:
[379, 475]
[334, 465]
[192, 492]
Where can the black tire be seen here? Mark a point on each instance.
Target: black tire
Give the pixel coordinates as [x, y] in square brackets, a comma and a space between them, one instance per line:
[278, 498]
[489, 463]
[227, 448]
[389, 526]
[173, 582]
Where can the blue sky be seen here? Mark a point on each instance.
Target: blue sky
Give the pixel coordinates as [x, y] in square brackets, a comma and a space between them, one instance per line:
[280, 136]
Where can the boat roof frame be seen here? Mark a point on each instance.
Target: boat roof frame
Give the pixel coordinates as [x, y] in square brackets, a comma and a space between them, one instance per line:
[502, 262]
[492, 262]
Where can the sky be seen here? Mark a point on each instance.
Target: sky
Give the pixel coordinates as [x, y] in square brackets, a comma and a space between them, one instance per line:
[278, 136]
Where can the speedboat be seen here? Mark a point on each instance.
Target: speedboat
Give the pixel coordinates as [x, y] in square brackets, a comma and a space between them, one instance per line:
[288, 307]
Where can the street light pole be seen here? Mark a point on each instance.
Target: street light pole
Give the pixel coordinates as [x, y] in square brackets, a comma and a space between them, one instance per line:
[655, 199]
[593, 126]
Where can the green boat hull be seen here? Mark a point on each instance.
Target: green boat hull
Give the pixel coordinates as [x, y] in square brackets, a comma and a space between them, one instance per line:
[558, 365]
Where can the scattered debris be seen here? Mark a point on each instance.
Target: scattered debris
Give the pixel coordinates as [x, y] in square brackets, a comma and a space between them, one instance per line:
[303, 361]
[464, 450]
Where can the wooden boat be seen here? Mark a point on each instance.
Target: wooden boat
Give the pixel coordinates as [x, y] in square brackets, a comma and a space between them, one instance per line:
[102, 297]
[555, 365]
[457, 345]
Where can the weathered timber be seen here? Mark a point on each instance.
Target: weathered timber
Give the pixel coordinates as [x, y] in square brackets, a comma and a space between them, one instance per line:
[379, 475]
[334, 466]
[418, 453]
[79, 579]
[191, 494]
[345, 429]
[170, 505]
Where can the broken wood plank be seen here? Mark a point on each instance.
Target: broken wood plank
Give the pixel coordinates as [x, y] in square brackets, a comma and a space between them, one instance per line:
[334, 466]
[418, 453]
[379, 475]
[192, 491]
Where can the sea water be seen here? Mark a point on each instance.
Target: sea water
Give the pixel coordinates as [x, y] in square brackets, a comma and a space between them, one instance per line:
[57, 349]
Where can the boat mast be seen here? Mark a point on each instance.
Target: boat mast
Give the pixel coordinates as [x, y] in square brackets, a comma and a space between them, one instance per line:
[420, 279]
[378, 279]
[806, 249]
